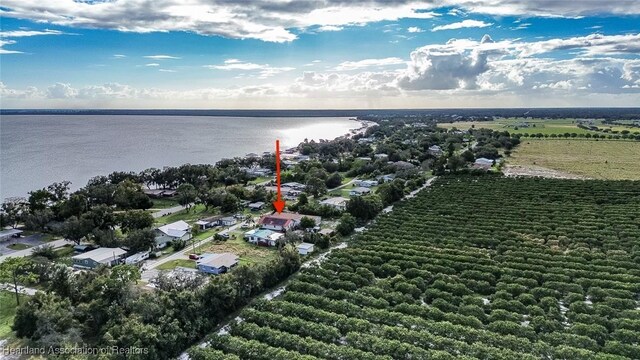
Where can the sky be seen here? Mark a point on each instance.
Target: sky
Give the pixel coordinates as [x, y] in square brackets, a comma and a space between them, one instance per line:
[324, 54]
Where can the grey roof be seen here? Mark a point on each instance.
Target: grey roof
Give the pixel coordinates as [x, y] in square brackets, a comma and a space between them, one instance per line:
[305, 246]
[219, 260]
[101, 254]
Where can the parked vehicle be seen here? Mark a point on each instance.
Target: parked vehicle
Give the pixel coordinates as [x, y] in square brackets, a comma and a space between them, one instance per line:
[194, 256]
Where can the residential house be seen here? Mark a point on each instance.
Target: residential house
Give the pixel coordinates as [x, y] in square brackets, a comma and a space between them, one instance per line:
[256, 171]
[259, 205]
[263, 237]
[483, 163]
[209, 222]
[294, 185]
[137, 258]
[381, 156]
[284, 221]
[366, 183]
[158, 193]
[300, 157]
[101, 256]
[305, 248]
[170, 232]
[227, 221]
[366, 140]
[358, 191]
[216, 263]
[337, 202]
[435, 150]
[252, 156]
[386, 178]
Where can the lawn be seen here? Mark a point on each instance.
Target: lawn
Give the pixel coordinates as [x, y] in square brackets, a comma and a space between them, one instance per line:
[195, 213]
[169, 265]
[164, 203]
[535, 126]
[248, 253]
[18, 246]
[259, 180]
[8, 312]
[615, 160]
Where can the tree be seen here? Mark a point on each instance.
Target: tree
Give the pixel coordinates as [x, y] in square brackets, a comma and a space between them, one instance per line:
[129, 195]
[307, 223]
[333, 181]
[38, 219]
[76, 229]
[230, 204]
[391, 192]
[454, 163]
[17, 271]
[365, 207]
[316, 186]
[39, 200]
[135, 220]
[187, 194]
[140, 239]
[347, 225]
[11, 211]
[75, 205]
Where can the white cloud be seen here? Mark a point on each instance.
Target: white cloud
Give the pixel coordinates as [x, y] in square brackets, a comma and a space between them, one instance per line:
[329, 28]
[166, 70]
[61, 91]
[462, 24]
[414, 29]
[5, 35]
[161, 57]
[265, 70]
[361, 64]
[152, 64]
[119, 56]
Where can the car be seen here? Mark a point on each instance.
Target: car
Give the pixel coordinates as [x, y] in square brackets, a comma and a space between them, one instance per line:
[194, 256]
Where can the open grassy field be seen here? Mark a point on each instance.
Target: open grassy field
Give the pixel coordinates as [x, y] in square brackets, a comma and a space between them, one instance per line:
[169, 265]
[164, 203]
[535, 126]
[195, 213]
[615, 160]
[248, 253]
[7, 312]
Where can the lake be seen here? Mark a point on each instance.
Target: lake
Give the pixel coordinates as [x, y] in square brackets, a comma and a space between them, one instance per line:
[36, 150]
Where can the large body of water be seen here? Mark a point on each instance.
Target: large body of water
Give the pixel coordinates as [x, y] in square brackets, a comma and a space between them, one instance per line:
[36, 150]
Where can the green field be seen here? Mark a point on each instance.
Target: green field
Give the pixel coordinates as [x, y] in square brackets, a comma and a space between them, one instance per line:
[534, 126]
[169, 265]
[246, 252]
[7, 312]
[18, 246]
[163, 203]
[600, 159]
[195, 213]
[476, 267]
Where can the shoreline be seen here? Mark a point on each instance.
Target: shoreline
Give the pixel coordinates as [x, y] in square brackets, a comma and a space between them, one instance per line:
[359, 128]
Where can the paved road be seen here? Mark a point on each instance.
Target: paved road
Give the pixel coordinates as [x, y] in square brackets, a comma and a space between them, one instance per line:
[26, 252]
[167, 211]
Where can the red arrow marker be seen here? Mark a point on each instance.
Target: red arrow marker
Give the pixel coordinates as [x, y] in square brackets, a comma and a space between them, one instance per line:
[279, 203]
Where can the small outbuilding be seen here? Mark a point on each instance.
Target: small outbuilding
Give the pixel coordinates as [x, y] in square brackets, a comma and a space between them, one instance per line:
[305, 248]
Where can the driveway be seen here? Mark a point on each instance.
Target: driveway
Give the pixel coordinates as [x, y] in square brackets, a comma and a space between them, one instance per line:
[32, 240]
[26, 252]
[167, 211]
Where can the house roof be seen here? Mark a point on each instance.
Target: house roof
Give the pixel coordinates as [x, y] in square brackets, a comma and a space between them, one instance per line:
[175, 229]
[101, 254]
[208, 220]
[267, 234]
[305, 246]
[283, 217]
[219, 260]
[256, 204]
[484, 161]
[338, 200]
[360, 190]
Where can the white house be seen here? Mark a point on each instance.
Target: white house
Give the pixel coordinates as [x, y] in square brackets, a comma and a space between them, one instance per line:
[483, 163]
[174, 231]
[263, 237]
[227, 221]
[259, 205]
[366, 183]
[305, 248]
[337, 202]
[435, 150]
[358, 191]
[101, 256]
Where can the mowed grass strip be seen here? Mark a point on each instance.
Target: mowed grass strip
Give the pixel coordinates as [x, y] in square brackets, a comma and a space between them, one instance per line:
[614, 160]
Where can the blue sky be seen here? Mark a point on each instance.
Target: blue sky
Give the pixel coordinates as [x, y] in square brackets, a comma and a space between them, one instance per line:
[318, 54]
